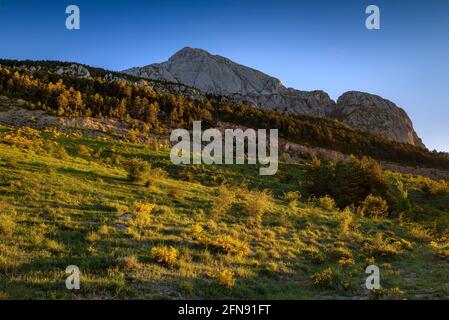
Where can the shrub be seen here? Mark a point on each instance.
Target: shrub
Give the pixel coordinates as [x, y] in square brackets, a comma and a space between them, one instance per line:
[326, 202]
[258, 202]
[324, 278]
[346, 262]
[176, 193]
[61, 153]
[398, 198]
[387, 294]
[432, 188]
[378, 246]
[348, 182]
[162, 210]
[441, 249]
[158, 173]
[129, 263]
[93, 237]
[83, 151]
[24, 137]
[223, 201]
[103, 230]
[374, 207]
[271, 266]
[292, 198]
[54, 246]
[292, 195]
[314, 255]
[137, 169]
[7, 225]
[227, 244]
[226, 278]
[142, 214]
[195, 231]
[165, 255]
[346, 223]
[339, 252]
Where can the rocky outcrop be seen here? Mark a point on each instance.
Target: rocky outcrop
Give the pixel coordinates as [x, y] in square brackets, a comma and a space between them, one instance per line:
[75, 70]
[209, 73]
[376, 115]
[218, 75]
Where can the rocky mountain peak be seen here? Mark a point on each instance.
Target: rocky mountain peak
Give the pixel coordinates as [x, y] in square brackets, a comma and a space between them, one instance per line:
[376, 115]
[210, 73]
[218, 75]
[189, 52]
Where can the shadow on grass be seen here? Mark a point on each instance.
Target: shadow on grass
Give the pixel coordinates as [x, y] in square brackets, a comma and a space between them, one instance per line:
[90, 175]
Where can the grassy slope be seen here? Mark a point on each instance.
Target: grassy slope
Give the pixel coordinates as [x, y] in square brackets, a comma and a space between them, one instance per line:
[59, 212]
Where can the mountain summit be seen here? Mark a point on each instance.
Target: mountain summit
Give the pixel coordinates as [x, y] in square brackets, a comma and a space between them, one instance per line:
[215, 74]
[210, 73]
[218, 75]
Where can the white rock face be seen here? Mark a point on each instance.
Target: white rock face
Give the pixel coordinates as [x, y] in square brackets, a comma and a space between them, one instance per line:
[376, 115]
[74, 70]
[218, 75]
[209, 73]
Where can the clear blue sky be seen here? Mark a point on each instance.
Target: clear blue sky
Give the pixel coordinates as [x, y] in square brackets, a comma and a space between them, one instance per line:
[307, 44]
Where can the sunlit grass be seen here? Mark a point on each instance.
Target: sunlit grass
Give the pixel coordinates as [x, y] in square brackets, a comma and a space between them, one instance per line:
[198, 231]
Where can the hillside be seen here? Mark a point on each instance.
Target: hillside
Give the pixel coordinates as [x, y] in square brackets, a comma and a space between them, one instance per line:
[201, 231]
[158, 107]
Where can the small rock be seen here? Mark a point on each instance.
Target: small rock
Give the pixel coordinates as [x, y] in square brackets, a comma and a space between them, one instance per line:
[121, 226]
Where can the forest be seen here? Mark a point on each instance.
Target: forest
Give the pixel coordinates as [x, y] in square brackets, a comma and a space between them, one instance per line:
[132, 100]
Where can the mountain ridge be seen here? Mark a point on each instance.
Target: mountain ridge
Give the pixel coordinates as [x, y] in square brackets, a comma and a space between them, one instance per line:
[219, 75]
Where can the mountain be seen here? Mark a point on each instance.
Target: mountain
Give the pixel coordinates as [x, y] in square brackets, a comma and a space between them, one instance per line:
[217, 75]
[376, 115]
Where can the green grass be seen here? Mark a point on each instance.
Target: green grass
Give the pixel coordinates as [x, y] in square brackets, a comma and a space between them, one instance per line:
[61, 209]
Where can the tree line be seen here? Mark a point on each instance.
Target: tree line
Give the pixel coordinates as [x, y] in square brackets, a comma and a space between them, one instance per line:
[71, 96]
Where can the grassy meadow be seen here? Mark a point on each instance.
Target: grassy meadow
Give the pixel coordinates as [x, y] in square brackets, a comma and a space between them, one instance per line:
[140, 227]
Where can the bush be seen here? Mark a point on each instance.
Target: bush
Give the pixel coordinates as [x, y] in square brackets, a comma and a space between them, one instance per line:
[258, 202]
[346, 223]
[339, 252]
[195, 231]
[326, 202]
[441, 249]
[129, 263]
[374, 207]
[387, 294]
[142, 214]
[165, 255]
[398, 199]
[348, 182]
[7, 225]
[346, 262]
[137, 169]
[324, 278]
[224, 200]
[83, 151]
[227, 244]
[93, 237]
[226, 278]
[315, 255]
[380, 247]
[61, 153]
[292, 198]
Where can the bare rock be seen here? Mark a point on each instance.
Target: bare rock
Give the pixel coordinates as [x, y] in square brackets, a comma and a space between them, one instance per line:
[74, 70]
[215, 74]
[376, 115]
